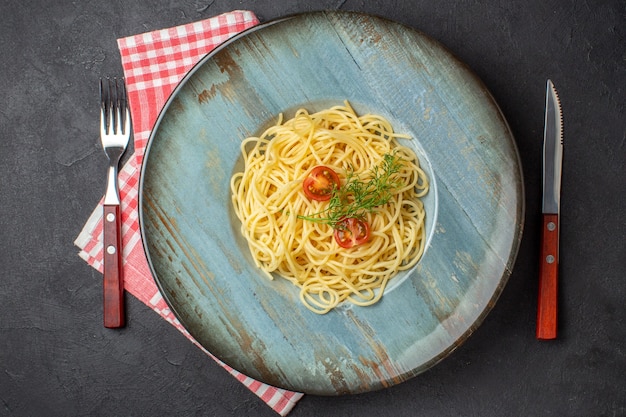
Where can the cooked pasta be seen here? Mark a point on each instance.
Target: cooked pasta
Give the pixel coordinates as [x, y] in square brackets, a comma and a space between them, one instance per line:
[279, 221]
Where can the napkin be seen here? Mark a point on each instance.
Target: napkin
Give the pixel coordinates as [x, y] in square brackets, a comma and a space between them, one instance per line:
[153, 64]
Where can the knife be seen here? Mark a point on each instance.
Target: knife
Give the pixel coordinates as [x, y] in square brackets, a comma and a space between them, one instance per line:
[549, 261]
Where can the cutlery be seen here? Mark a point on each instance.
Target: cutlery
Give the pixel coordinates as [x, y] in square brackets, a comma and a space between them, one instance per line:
[115, 134]
[549, 261]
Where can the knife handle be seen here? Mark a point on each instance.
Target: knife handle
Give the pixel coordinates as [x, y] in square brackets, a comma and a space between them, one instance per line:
[548, 277]
[113, 269]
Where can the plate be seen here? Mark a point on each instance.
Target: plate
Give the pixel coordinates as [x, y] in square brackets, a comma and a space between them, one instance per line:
[202, 265]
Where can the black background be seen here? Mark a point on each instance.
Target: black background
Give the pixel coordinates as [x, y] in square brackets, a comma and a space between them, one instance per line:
[56, 359]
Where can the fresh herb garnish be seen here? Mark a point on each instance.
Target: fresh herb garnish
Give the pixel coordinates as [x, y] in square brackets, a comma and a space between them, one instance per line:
[357, 197]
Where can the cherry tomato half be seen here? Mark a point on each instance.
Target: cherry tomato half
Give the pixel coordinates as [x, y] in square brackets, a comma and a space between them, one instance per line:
[351, 232]
[320, 183]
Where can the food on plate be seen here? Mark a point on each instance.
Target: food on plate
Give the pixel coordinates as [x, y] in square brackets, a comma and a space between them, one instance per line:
[331, 201]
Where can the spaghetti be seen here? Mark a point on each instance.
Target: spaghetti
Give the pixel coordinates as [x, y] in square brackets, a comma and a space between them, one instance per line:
[279, 221]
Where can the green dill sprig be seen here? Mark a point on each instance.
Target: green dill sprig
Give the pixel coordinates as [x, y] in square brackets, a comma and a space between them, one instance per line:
[357, 197]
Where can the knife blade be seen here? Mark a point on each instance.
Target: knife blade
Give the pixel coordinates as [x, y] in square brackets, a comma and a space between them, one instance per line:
[547, 305]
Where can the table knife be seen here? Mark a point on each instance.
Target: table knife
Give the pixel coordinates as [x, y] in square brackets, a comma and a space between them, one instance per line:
[549, 261]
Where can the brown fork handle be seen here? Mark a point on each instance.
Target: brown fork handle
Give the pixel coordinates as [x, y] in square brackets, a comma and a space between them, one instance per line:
[113, 270]
[548, 278]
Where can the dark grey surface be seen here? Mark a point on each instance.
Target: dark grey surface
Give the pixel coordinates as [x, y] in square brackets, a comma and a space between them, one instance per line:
[56, 359]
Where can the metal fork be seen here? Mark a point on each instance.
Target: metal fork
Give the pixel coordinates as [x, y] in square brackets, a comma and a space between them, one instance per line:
[114, 134]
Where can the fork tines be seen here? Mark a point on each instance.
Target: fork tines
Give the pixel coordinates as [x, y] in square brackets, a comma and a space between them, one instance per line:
[113, 104]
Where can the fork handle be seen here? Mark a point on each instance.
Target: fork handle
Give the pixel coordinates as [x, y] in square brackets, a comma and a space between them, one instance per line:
[113, 270]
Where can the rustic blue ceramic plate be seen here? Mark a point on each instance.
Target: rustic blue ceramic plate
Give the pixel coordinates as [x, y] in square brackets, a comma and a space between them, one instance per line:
[474, 209]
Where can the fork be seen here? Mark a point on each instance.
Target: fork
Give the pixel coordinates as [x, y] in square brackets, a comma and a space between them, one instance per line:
[114, 134]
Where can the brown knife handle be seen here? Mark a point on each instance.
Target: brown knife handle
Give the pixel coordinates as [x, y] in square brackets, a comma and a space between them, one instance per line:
[113, 269]
[548, 278]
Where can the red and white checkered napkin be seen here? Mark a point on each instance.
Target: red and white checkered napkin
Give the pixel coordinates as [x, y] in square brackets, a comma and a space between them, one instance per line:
[153, 65]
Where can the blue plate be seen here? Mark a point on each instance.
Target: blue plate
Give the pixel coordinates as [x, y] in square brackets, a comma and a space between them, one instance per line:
[202, 265]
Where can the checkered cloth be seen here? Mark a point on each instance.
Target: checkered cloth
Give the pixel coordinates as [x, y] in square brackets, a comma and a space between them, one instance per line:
[153, 65]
